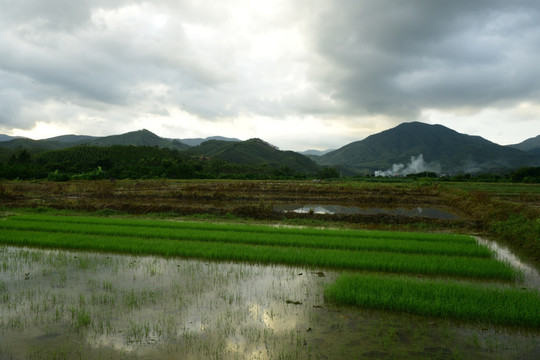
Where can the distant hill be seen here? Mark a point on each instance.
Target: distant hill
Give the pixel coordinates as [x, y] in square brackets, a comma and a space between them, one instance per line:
[72, 138]
[33, 146]
[136, 138]
[4, 137]
[532, 144]
[198, 141]
[316, 152]
[254, 152]
[442, 148]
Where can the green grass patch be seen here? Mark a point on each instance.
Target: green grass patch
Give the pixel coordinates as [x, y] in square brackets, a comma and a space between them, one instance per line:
[448, 299]
[252, 235]
[400, 235]
[311, 247]
[391, 252]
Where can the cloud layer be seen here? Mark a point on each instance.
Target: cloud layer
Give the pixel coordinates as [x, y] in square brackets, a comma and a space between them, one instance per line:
[295, 73]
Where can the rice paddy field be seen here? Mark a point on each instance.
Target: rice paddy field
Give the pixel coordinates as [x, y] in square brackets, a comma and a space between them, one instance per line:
[109, 287]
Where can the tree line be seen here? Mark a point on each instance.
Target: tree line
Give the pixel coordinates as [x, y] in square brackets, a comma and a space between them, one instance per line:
[135, 162]
[150, 162]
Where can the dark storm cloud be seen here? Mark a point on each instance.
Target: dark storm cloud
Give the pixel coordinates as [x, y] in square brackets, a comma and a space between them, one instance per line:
[65, 15]
[355, 66]
[81, 58]
[397, 57]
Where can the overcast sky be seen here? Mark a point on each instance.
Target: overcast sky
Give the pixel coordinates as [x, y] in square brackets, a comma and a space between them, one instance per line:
[299, 74]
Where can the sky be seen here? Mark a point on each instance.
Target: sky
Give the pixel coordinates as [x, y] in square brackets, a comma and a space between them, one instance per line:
[304, 74]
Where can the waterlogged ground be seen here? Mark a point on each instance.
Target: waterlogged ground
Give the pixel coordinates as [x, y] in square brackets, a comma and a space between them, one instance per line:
[416, 211]
[64, 305]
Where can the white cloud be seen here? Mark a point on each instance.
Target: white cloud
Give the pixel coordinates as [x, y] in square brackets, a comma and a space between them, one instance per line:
[293, 73]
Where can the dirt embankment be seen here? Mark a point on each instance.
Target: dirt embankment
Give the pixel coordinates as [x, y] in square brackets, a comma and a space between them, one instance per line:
[250, 199]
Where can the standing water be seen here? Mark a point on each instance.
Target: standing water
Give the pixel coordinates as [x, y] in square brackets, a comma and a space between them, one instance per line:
[531, 276]
[61, 304]
[416, 211]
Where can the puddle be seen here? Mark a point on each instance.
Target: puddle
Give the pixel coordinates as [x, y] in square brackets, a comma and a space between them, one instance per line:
[531, 275]
[340, 209]
[61, 304]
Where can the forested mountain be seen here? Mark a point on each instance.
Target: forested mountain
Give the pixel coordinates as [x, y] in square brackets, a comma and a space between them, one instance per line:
[529, 145]
[136, 138]
[452, 151]
[316, 152]
[144, 154]
[73, 139]
[4, 137]
[136, 162]
[254, 152]
[141, 154]
[33, 146]
[199, 141]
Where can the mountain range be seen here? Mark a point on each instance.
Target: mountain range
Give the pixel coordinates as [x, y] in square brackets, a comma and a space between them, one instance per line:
[444, 151]
[531, 145]
[427, 147]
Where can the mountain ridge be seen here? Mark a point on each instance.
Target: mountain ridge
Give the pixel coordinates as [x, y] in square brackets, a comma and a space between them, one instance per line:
[254, 152]
[455, 152]
[529, 145]
[450, 151]
[198, 141]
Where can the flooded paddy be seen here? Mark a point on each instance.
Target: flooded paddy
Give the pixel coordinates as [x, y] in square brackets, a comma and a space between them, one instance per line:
[531, 276]
[416, 211]
[62, 305]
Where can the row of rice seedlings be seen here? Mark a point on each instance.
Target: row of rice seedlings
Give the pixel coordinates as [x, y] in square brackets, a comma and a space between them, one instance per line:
[446, 299]
[318, 240]
[332, 258]
[260, 229]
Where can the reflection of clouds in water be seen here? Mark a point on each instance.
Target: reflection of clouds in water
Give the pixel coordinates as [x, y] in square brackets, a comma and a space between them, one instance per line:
[139, 303]
[531, 275]
[114, 341]
[313, 209]
[429, 212]
[247, 347]
[274, 317]
[238, 311]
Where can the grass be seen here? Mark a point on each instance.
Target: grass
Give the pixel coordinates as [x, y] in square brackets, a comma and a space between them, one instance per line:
[415, 243]
[390, 252]
[245, 228]
[257, 244]
[448, 299]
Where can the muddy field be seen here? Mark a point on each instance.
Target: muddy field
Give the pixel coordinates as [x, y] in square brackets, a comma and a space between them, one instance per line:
[61, 305]
[378, 203]
[65, 305]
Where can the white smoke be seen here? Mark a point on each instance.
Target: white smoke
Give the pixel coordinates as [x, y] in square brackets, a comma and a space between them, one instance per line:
[417, 165]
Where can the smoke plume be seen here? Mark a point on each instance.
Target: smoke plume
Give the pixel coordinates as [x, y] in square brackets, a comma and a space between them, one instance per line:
[416, 165]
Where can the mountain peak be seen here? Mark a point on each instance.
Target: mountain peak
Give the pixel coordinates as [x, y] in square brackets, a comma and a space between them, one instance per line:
[528, 145]
[455, 152]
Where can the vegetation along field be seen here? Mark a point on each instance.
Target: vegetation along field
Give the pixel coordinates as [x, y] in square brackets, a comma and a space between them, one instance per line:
[217, 269]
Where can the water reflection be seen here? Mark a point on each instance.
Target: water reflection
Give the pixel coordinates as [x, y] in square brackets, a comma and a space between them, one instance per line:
[112, 306]
[429, 212]
[531, 275]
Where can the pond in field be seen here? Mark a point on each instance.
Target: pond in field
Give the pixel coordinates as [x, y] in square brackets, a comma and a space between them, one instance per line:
[416, 211]
[64, 305]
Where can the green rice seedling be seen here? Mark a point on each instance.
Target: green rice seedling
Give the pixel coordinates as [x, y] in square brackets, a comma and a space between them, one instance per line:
[80, 318]
[287, 237]
[333, 258]
[471, 302]
[260, 229]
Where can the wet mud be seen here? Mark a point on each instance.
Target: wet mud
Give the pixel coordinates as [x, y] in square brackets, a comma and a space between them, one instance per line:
[59, 304]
